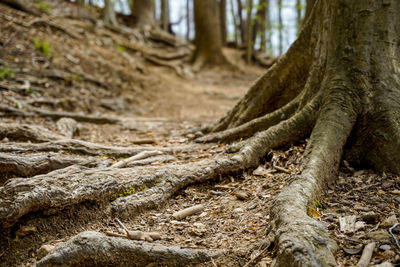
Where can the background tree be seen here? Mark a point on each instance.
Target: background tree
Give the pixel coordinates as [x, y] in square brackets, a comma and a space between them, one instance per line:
[299, 19]
[242, 25]
[188, 19]
[143, 12]
[208, 38]
[165, 15]
[109, 16]
[222, 16]
[260, 24]
[235, 24]
[249, 24]
[280, 27]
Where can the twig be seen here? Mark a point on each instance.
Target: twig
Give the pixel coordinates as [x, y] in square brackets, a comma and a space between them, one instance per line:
[212, 261]
[366, 255]
[179, 215]
[121, 224]
[1, 255]
[282, 169]
[141, 155]
[391, 232]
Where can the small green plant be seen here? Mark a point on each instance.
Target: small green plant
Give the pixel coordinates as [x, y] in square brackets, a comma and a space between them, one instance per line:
[43, 6]
[313, 211]
[121, 48]
[129, 191]
[43, 47]
[6, 73]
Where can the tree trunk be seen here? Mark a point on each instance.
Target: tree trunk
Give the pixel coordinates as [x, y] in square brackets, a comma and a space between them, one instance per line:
[298, 16]
[165, 15]
[260, 24]
[280, 27]
[242, 25]
[235, 25]
[353, 76]
[109, 13]
[208, 39]
[188, 18]
[143, 13]
[222, 16]
[249, 38]
[309, 6]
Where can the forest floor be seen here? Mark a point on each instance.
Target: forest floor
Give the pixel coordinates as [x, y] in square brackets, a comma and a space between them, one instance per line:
[87, 70]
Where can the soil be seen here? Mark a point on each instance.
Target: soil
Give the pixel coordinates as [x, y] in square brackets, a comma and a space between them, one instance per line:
[100, 78]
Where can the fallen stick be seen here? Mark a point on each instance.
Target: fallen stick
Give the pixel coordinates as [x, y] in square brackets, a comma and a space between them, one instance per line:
[366, 255]
[281, 169]
[179, 215]
[141, 155]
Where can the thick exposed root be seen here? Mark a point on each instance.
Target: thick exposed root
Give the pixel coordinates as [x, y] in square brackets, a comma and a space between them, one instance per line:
[93, 149]
[57, 115]
[30, 165]
[93, 248]
[301, 240]
[277, 87]
[248, 129]
[152, 184]
[26, 132]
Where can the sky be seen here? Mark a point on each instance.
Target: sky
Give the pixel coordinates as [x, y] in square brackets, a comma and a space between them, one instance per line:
[178, 10]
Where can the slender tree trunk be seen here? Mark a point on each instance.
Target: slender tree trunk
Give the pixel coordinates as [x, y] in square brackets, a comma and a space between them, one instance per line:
[249, 39]
[143, 13]
[208, 39]
[242, 26]
[165, 15]
[235, 25]
[260, 22]
[268, 27]
[109, 16]
[188, 18]
[280, 27]
[222, 10]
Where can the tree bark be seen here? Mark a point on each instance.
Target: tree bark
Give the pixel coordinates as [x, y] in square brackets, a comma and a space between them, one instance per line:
[109, 16]
[249, 38]
[143, 13]
[242, 26]
[280, 28]
[165, 15]
[222, 16]
[309, 6]
[208, 39]
[235, 25]
[298, 16]
[188, 19]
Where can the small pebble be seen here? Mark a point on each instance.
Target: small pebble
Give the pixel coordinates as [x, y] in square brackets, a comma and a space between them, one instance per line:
[242, 196]
[238, 210]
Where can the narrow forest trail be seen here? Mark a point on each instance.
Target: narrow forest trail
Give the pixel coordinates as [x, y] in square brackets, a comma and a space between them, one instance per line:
[158, 111]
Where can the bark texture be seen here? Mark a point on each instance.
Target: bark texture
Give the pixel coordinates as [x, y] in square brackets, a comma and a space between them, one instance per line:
[143, 13]
[109, 16]
[94, 249]
[208, 38]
